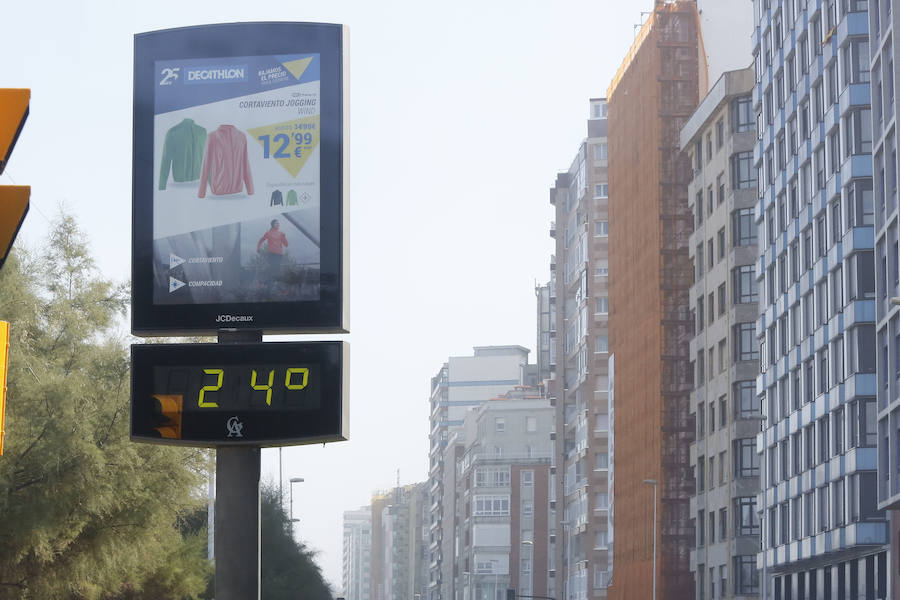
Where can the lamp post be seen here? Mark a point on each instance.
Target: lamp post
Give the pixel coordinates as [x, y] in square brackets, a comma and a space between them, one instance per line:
[653, 483]
[530, 544]
[761, 513]
[293, 520]
[566, 583]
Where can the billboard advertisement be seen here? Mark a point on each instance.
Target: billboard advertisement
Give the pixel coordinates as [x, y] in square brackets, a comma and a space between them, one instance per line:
[239, 179]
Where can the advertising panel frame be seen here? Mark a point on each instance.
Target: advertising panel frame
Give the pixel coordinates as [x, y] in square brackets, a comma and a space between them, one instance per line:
[323, 310]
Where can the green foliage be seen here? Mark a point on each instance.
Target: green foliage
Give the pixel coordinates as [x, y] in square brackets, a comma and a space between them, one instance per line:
[288, 567]
[84, 512]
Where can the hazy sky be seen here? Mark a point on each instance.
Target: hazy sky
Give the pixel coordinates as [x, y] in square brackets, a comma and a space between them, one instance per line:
[462, 114]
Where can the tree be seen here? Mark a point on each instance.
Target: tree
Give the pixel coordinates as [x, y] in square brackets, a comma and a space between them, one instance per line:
[84, 512]
[289, 571]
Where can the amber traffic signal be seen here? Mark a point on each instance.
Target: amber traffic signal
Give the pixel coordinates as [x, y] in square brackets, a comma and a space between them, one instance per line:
[13, 198]
[167, 415]
[4, 366]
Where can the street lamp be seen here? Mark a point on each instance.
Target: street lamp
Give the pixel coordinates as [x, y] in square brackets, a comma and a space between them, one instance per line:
[653, 483]
[529, 543]
[566, 582]
[293, 520]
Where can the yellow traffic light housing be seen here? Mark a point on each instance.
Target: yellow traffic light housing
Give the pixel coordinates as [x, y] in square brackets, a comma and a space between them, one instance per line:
[4, 367]
[13, 198]
[167, 415]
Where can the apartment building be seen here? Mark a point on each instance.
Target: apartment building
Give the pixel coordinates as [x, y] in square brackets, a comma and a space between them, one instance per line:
[823, 535]
[578, 300]
[650, 99]
[356, 553]
[462, 384]
[501, 497]
[881, 73]
[719, 139]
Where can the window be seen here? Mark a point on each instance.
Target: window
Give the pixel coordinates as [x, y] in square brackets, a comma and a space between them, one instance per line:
[722, 300]
[530, 424]
[601, 190]
[600, 151]
[855, 58]
[720, 237]
[527, 507]
[492, 477]
[701, 315]
[746, 403]
[722, 458]
[701, 420]
[701, 528]
[746, 575]
[823, 440]
[602, 343]
[858, 132]
[862, 424]
[527, 478]
[742, 114]
[746, 521]
[601, 228]
[744, 288]
[742, 170]
[499, 424]
[491, 506]
[822, 494]
[601, 462]
[744, 337]
[721, 186]
[809, 445]
[744, 228]
[746, 460]
[720, 133]
[603, 305]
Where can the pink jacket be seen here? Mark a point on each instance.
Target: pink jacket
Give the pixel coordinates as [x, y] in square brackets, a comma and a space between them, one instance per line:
[225, 165]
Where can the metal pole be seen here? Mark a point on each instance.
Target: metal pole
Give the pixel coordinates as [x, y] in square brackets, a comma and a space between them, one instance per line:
[237, 523]
[237, 546]
[280, 482]
[654, 483]
[654, 541]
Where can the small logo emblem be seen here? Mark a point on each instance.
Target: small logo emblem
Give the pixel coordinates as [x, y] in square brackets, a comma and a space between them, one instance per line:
[175, 260]
[169, 75]
[235, 427]
[175, 284]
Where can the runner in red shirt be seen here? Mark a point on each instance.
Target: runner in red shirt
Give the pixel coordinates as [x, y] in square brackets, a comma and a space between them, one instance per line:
[276, 242]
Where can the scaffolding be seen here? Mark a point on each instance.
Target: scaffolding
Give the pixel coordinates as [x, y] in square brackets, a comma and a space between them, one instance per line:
[651, 330]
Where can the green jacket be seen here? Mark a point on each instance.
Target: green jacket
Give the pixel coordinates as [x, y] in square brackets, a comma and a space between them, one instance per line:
[182, 153]
[291, 198]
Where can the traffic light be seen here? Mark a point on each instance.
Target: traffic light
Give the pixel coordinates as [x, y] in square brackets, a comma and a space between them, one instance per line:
[13, 198]
[167, 415]
[4, 366]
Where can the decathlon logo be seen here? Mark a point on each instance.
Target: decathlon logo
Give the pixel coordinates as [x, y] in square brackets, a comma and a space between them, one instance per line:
[169, 75]
[216, 74]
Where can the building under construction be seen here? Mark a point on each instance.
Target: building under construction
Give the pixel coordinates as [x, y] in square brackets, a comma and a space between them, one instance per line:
[652, 96]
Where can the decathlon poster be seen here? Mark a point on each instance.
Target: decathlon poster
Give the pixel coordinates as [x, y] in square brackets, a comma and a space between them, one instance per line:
[236, 162]
[239, 179]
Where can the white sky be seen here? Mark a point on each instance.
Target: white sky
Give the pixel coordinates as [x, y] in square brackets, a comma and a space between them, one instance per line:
[462, 114]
